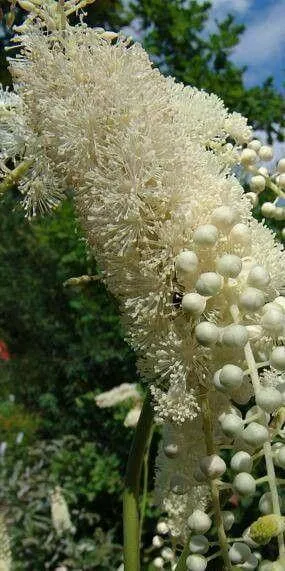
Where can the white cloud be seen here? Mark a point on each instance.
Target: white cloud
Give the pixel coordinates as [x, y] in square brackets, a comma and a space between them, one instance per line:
[264, 38]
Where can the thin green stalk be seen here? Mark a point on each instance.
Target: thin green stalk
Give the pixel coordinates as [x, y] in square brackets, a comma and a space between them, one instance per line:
[14, 176]
[131, 515]
[145, 481]
[181, 565]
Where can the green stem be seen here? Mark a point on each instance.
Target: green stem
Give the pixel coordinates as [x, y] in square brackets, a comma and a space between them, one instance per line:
[131, 517]
[145, 481]
[181, 565]
[14, 176]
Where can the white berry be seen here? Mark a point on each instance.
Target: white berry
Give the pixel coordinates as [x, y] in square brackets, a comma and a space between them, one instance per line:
[205, 235]
[209, 284]
[199, 522]
[196, 562]
[235, 336]
[207, 333]
[199, 544]
[244, 484]
[268, 398]
[251, 299]
[258, 277]
[242, 462]
[231, 376]
[255, 434]
[193, 303]
[229, 266]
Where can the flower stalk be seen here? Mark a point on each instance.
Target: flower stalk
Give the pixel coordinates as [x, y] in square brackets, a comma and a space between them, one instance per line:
[131, 508]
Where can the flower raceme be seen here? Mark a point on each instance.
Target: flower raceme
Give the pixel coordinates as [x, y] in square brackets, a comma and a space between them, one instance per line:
[151, 169]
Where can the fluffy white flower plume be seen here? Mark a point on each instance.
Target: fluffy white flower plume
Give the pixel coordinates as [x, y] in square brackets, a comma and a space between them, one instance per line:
[150, 166]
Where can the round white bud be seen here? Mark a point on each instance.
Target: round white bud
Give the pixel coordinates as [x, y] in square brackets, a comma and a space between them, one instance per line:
[265, 153]
[209, 284]
[199, 522]
[281, 180]
[281, 165]
[251, 563]
[231, 376]
[248, 157]
[217, 382]
[255, 332]
[267, 209]
[263, 171]
[187, 262]
[196, 562]
[251, 196]
[239, 552]
[240, 234]
[224, 217]
[199, 544]
[279, 213]
[167, 554]
[280, 456]
[193, 303]
[212, 466]
[229, 266]
[235, 336]
[205, 235]
[251, 299]
[158, 563]
[207, 333]
[242, 462]
[273, 322]
[171, 450]
[228, 519]
[255, 434]
[277, 359]
[157, 541]
[162, 527]
[257, 183]
[244, 484]
[265, 504]
[258, 277]
[255, 144]
[231, 425]
[179, 484]
[268, 398]
[280, 301]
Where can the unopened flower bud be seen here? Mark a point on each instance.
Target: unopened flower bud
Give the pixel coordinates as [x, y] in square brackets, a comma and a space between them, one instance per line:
[255, 434]
[196, 563]
[199, 522]
[255, 144]
[280, 457]
[240, 234]
[231, 425]
[244, 484]
[265, 153]
[242, 462]
[267, 209]
[224, 217]
[235, 336]
[162, 527]
[268, 398]
[248, 157]
[258, 277]
[251, 196]
[167, 554]
[187, 262]
[231, 376]
[228, 519]
[265, 504]
[209, 284]
[239, 552]
[281, 180]
[212, 466]
[251, 299]
[205, 235]
[207, 333]
[193, 303]
[281, 165]
[158, 563]
[229, 266]
[199, 544]
[273, 322]
[171, 450]
[257, 183]
[157, 541]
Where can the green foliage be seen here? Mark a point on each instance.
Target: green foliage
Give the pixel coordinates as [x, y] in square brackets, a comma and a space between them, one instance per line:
[14, 420]
[175, 34]
[89, 479]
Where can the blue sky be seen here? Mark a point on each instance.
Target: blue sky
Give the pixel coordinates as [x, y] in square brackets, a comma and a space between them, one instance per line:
[262, 46]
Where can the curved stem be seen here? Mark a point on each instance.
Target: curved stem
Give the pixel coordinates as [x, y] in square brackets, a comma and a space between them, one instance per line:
[14, 176]
[131, 516]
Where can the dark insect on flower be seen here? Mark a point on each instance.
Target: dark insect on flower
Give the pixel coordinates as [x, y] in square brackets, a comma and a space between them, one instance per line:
[177, 299]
